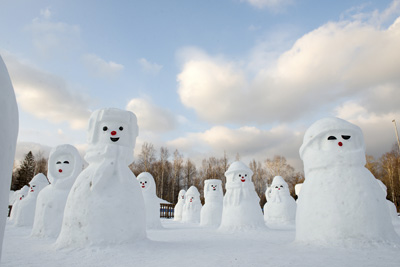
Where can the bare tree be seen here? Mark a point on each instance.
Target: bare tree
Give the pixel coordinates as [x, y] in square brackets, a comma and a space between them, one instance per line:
[146, 157]
[177, 175]
[189, 173]
[41, 163]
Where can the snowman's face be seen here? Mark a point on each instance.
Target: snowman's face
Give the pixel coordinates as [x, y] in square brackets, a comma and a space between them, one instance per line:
[339, 141]
[213, 187]
[242, 177]
[182, 196]
[144, 183]
[63, 165]
[112, 132]
[278, 188]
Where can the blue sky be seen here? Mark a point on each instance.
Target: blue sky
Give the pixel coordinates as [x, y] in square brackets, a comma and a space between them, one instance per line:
[204, 77]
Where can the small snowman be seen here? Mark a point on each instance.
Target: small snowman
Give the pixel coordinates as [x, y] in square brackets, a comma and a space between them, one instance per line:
[280, 207]
[151, 201]
[211, 212]
[26, 211]
[179, 206]
[192, 208]
[340, 201]
[19, 195]
[241, 207]
[64, 166]
[105, 204]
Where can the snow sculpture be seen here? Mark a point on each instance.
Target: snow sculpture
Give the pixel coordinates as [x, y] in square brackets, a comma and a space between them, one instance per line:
[392, 208]
[64, 166]
[192, 208]
[8, 141]
[151, 201]
[297, 190]
[105, 205]
[241, 208]
[280, 207]
[26, 211]
[20, 195]
[340, 200]
[211, 212]
[179, 206]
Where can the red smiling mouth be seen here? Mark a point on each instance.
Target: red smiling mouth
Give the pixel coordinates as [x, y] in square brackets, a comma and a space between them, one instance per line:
[243, 180]
[143, 186]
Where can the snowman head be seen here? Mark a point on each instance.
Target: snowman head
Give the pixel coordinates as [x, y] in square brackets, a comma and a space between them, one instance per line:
[238, 172]
[181, 195]
[192, 195]
[279, 186]
[64, 163]
[332, 142]
[147, 183]
[111, 126]
[38, 182]
[212, 188]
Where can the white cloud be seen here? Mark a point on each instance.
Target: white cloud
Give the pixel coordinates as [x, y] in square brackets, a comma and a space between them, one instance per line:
[271, 4]
[51, 37]
[151, 117]
[45, 95]
[99, 67]
[150, 67]
[338, 61]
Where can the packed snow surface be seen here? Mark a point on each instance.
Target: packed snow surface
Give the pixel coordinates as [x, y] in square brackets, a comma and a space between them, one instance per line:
[105, 205]
[151, 201]
[187, 244]
[340, 201]
[179, 206]
[64, 166]
[8, 141]
[211, 212]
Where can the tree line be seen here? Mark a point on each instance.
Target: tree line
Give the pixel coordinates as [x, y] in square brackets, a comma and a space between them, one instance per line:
[173, 172]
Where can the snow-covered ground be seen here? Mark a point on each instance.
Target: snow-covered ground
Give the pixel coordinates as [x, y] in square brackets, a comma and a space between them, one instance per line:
[189, 245]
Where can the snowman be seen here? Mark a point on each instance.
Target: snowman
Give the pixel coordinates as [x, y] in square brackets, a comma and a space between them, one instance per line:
[64, 166]
[25, 213]
[192, 208]
[340, 201]
[151, 201]
[105, 204]
[241, 208]
[19, 195]
[179, 206]
[280, 207]
[8, 141]
[211, 212]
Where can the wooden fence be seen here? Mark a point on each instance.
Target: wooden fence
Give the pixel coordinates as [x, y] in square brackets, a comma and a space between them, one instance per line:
[167, 211]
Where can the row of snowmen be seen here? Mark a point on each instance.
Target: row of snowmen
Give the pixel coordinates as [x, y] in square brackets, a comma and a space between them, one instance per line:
[340, 199]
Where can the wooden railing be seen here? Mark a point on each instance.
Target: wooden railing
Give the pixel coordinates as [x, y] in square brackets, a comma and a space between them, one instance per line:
[167, 211]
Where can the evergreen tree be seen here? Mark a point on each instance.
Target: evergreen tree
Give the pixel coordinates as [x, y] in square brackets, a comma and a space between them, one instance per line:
[25, 172]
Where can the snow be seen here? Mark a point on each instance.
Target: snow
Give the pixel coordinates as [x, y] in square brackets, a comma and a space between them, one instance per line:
[8, 140]
[241, 208]
[151, 201]
[183, 245]
[340, 201]
[211, 212]
[390, 204]
[25, 213]
[18, 195]
[179, 206]
[192, 208]
[105, 205]
[280, 207]
[64, 166]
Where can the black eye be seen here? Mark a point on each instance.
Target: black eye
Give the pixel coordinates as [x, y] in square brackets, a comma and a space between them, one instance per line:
[66, 162]
[121, 128]
[58, 162]
[146, 182]
[276, 187]
[246, 175]
[346, 137]
[331, 138]
[33, 185]
[240, 175]
[281, 185]
[105, 128]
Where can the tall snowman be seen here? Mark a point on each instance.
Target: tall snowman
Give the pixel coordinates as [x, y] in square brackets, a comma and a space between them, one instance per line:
[105, 205]
[280, 207]
[179, 206]
[192, 208]
[8, 141]
[151, 201]
[64, 166]
[340, 200]
[241, 210]
[25, 213]
[211, 212]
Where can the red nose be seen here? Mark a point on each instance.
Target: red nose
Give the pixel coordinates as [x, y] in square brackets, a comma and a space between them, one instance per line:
[340, 144]
[60, 170]
[113, 133]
